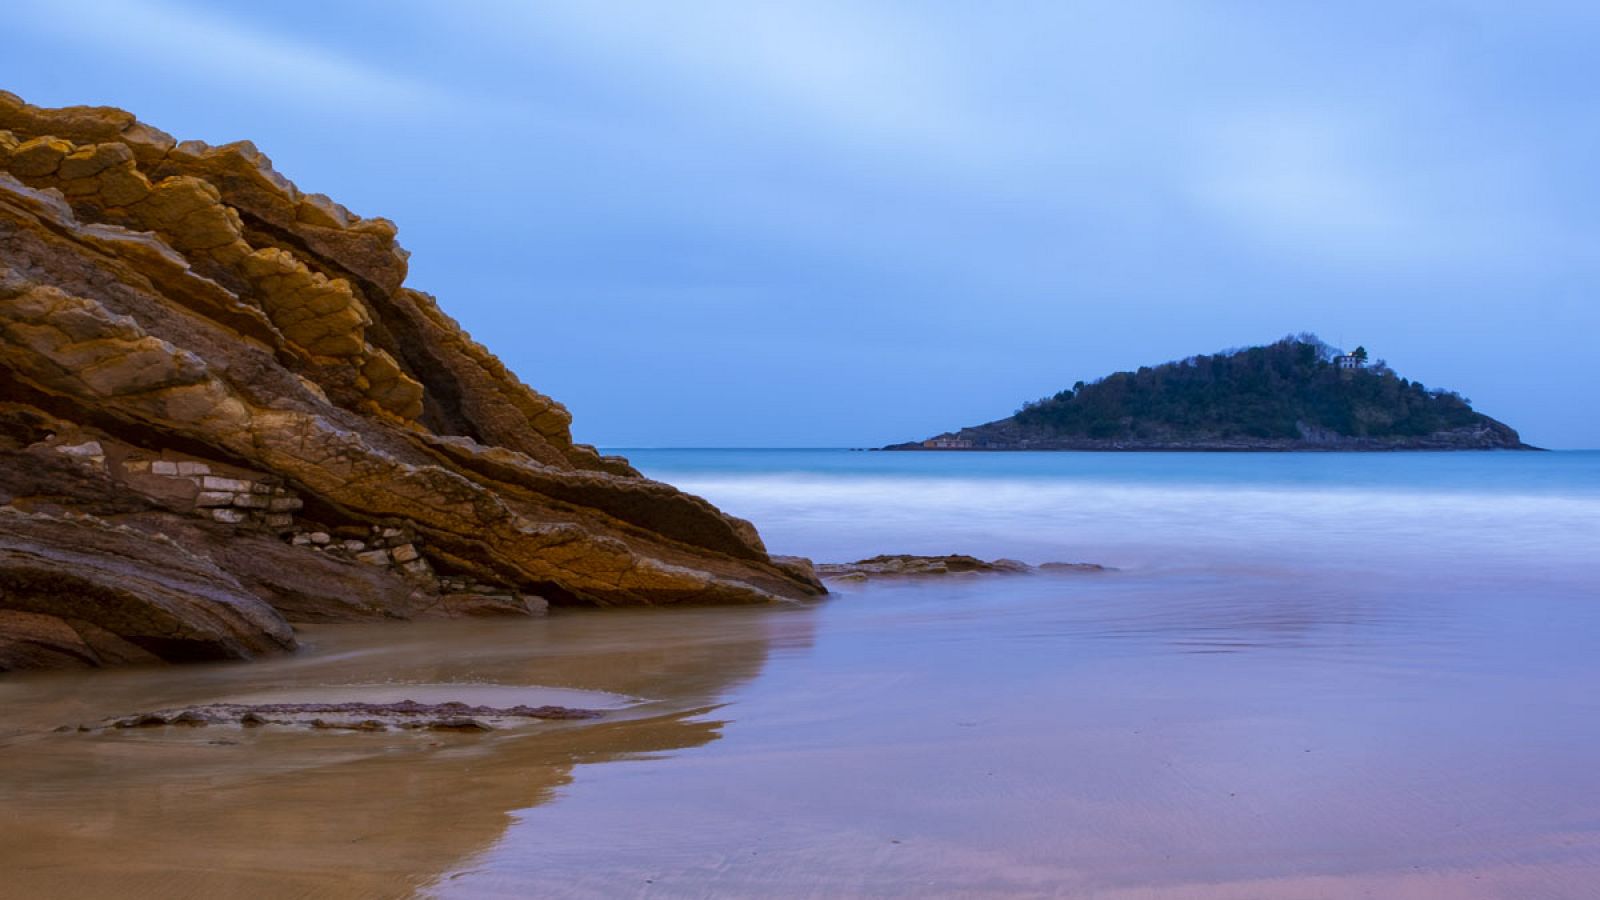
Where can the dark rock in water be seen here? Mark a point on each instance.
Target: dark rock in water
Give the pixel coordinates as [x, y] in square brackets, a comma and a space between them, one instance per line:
[358, 716]
[549, 712]
[899, 565]
[458, 724]
[221, 411]
[1072, 567]
[323, 724]
[905, 566]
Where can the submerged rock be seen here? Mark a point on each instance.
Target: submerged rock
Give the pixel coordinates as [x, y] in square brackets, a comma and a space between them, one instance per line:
[353, 716]
[906, 565]
[221, 411]
[459, 723]
[1072, 567]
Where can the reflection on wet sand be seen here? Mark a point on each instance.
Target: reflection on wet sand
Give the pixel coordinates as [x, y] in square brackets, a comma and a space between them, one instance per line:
[1377, 736]
[231, 812]
[1422, 735]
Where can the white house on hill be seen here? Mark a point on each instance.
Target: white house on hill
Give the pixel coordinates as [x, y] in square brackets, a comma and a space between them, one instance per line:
[1356, 360]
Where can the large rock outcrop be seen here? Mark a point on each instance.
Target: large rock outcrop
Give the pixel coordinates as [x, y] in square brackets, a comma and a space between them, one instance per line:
[220, 409]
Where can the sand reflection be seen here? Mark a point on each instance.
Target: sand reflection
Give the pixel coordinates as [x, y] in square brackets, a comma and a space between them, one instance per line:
[224, 811]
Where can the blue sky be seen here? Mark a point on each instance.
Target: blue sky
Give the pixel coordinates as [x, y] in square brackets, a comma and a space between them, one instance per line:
[845, 224]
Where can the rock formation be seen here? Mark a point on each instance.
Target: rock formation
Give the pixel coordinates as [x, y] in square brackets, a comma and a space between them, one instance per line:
[407, 715]
[222, 411]
[905, 566]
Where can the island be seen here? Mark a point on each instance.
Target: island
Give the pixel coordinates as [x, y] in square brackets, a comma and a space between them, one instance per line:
[1298, 393]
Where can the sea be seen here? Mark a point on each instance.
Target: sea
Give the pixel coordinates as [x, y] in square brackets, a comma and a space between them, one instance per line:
[1300, 675]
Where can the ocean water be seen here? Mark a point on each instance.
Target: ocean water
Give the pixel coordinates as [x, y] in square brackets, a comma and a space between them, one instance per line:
[1306, 676]
[1494, 511]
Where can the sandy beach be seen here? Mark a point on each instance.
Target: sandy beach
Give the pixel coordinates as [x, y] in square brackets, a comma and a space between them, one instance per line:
[1237, 721]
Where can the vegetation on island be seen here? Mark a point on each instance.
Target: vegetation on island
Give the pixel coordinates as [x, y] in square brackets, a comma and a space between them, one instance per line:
[1295, 394]
[1281, 390]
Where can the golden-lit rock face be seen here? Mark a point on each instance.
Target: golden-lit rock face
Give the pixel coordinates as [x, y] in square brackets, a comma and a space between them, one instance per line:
[163, 301]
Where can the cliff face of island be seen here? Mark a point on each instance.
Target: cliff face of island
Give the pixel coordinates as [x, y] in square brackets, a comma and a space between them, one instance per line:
[1296, 394]
[221, 412]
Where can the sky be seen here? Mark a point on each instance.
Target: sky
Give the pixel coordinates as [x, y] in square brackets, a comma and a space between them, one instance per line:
[747, 223]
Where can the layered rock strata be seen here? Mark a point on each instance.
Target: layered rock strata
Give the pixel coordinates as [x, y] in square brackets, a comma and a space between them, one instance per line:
[220, 405]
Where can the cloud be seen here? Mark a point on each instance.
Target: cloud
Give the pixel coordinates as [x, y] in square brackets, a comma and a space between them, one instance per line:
[859, 77]
[1363, 190]
[212, 49]
[1112, 115]
[1302, 179]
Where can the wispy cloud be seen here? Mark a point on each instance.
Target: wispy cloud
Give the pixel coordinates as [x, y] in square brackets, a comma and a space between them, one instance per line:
[1250, 126]
[1358, 189]
[1298, 179]
[210, 48]
[858, 77]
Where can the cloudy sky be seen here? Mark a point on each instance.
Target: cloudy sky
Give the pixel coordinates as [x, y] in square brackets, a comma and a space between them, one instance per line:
[842, 224]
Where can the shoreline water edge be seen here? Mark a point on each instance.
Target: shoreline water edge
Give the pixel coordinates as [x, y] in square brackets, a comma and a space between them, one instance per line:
[1307, 676]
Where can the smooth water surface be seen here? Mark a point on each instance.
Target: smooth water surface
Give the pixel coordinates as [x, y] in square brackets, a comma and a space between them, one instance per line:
[1311, 675]
[1159, 510]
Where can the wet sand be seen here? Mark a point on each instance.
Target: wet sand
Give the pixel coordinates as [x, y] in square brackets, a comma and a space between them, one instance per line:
[222, 811]
[1148, 735]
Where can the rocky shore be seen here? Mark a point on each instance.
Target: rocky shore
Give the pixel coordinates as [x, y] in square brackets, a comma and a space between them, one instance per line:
[222, 412]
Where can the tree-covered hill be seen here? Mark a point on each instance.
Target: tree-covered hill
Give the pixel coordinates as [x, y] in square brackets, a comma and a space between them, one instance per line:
[1294, 394]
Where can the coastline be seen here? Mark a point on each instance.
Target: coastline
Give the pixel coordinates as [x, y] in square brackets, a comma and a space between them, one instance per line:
[1260, 640]
[1129, 447]
[992, 438]
[227, 414]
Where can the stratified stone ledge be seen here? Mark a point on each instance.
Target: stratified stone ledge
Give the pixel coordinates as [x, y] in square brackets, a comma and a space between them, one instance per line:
[199, 352]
